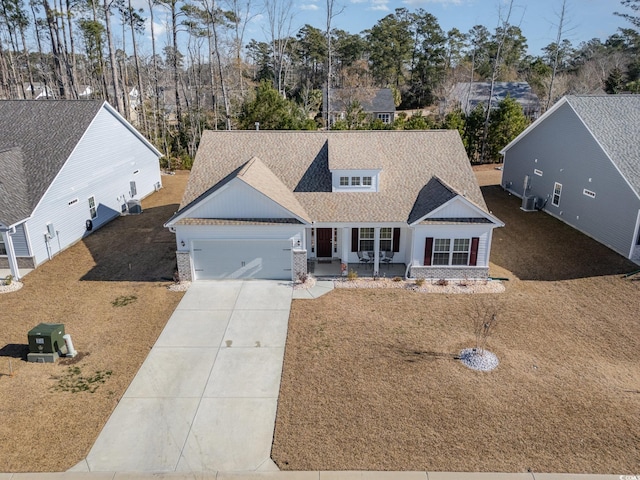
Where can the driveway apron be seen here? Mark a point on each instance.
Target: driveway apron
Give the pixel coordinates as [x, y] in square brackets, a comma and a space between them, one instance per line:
[205, 398]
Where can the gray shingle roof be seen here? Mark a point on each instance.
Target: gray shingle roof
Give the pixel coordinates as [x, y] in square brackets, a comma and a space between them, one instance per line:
[614, 121]
[300, 160]
[469, 95]
[37, 138]
[372, 100]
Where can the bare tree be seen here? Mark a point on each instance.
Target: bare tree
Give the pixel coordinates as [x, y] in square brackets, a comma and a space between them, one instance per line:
[112, 57]
[279, 18]
[504, 25]
[556, 53]
[331, 14]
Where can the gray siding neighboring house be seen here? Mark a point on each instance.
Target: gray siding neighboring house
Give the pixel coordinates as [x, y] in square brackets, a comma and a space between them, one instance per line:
[64, 163]
[467, 96]
[378, 103]
[580, 162]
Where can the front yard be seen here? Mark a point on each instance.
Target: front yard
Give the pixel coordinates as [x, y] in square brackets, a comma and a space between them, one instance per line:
[370, 382]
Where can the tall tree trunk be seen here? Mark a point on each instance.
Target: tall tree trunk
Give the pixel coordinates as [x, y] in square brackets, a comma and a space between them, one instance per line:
[156, 89]
[223, 85]
[494, 76]
[40, 54]
[55, 49]
[103, 68]
[72, 45]
[27, 60]
[176, 74]
[112, 58]
[5, 89]
[142, 121]
[556, 55]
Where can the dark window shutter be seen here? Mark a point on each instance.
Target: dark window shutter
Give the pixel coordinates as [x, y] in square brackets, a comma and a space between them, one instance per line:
[354, 239]
[428, 250]
[473, 258]
[396, 240]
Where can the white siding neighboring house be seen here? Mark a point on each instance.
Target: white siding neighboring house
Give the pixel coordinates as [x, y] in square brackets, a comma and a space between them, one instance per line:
[580, 162]
[260, 204]
[66, 169]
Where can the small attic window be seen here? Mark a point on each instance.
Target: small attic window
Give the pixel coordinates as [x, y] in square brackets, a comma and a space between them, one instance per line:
[72, 202]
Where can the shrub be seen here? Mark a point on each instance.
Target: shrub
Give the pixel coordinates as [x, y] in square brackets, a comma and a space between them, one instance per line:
[352, 275]
[419, 282]
[397, 279]
[442, 282]
[302, 277]
[8, 280]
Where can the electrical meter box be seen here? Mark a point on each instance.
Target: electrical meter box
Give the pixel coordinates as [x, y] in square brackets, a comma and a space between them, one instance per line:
[46, 342]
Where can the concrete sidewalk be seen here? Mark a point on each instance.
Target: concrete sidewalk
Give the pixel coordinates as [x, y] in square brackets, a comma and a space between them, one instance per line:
[205, 398]
[312, 475]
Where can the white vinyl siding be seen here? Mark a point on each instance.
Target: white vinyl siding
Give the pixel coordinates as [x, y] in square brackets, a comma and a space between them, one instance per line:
[101, 166]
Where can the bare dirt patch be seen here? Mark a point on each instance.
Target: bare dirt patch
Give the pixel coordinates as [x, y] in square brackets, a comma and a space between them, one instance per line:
[371, 381]
[62, 407]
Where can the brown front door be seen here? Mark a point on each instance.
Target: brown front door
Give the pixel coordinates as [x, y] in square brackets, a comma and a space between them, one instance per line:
[324, 242]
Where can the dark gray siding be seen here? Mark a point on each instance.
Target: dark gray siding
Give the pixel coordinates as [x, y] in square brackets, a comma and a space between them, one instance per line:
[20, 244]
[565, 152]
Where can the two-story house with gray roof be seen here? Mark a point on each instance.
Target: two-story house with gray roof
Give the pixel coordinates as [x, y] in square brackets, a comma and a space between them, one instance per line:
[67, 167]
[260, 204]
[580, 162]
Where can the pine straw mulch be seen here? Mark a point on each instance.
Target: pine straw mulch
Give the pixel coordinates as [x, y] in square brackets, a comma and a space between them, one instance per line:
[370, 381]
[110, 292]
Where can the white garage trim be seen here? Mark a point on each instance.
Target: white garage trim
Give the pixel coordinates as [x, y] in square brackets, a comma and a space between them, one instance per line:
[242, 258]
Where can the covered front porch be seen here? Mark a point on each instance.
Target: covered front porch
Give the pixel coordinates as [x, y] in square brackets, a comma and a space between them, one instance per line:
[332, 268]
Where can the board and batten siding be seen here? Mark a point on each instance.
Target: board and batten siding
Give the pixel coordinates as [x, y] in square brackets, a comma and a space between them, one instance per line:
[483, 232]
[238, 200]
[108, 157]
[188, 233]
[562, 150]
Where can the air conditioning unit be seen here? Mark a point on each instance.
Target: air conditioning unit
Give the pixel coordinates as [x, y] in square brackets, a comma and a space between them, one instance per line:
[528, 203]
[134, 207]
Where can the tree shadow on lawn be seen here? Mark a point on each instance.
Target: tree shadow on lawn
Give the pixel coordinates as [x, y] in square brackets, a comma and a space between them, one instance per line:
[537, 246]
[134, 248]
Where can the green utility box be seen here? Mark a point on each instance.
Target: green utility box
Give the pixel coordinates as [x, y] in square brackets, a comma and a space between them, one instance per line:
[46, 342]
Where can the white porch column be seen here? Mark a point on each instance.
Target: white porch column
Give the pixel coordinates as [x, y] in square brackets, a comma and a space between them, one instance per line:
[376, 250]
[345, 246]
[11, 255]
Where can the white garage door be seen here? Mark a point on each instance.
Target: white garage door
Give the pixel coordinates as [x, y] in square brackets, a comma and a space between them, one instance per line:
[228, 259]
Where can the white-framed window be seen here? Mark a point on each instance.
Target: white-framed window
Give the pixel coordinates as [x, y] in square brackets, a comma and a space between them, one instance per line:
[366, 181]
[72, 202]
[385, 117]
[589, 193]
[441, 251]
[93, 212]
[460, 254]
[344, 181]
[3, 250]
[365, 240]
[355, 181]
[448, 251]
[386, 239]
[557, 192]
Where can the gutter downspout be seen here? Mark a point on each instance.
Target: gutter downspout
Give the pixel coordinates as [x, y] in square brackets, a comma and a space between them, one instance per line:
[11, 253]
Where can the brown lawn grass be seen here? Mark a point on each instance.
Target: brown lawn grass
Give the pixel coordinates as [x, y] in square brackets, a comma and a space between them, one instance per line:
[45, 429]
[370, 382]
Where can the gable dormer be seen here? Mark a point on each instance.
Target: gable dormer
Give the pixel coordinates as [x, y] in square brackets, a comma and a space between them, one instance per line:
[355, 180]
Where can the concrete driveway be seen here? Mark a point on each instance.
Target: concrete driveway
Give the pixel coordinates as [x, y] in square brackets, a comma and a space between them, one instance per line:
[205, 398]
